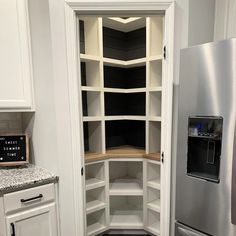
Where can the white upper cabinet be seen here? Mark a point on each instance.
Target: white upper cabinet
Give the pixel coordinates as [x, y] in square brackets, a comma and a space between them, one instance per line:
[16, 90]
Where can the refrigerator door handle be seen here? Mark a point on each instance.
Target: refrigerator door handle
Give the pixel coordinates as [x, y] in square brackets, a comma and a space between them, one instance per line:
[233, 187]
[186, 232]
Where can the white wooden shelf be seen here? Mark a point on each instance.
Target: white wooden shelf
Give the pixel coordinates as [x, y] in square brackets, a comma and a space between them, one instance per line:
[155, 118]
[124, 25]
[154, 228]
[156, 58]
[92, 118]
[120, 90]
[124, 64]
[155, 89]
[126, 212]
[95, 229]
[125, 118]
[93, 205]
[154, 205]
[90, 88]
[88, 58]
[126, 220]
[94, 183]
[125, 187]
[155, 183]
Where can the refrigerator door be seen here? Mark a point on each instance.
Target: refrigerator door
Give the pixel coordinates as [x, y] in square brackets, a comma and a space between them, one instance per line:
[182, 230]
[233, 193]
[207, 88]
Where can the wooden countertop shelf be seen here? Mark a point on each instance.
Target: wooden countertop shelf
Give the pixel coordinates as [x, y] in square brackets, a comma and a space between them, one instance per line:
[121, 152]
[153, 156]
[92, 157]
[125, 151]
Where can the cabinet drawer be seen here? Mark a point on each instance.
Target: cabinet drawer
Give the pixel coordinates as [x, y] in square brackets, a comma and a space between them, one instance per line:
[29, 197]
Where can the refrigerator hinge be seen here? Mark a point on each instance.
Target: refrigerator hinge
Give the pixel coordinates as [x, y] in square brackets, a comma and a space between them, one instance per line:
[82, 171]
[162, 157]
[164, 52]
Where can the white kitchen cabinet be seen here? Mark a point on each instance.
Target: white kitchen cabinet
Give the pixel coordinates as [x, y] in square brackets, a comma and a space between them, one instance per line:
[30, 212]
[39, 221]
[16, 88]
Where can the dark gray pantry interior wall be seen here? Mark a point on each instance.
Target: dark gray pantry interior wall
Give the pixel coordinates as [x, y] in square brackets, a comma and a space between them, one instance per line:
[120, 45]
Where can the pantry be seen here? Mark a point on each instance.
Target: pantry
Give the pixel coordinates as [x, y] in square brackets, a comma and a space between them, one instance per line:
[123, 90]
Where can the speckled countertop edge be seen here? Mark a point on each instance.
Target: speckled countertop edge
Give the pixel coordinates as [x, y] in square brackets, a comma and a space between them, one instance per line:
[18, 178]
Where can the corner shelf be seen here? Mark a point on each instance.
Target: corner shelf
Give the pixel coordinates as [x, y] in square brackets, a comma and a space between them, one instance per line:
[155, 118]
[126, 212]
[126, 178]
[154, 205]
[124, 25]
[153, 222]
[122, 96]
[154, 175]
[89, 58]
[93, 205]
[96, 223]
[92, 118]
[123, 220]
[153, 156]
[141, 118]
[125, 187]
[155, 89]
[125, 151]
[130, 90]
[154, 228]
[90, 88]
[124, 64]
[93, 156]
[93, 183]
[154, 183]
[157, 57]
[121, 152]
[95, 229]
[94, 175]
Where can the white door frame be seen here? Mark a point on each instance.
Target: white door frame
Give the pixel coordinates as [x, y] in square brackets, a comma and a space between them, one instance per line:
[95, 7]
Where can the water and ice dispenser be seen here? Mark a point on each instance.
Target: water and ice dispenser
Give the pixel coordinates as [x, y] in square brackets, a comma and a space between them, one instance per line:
[204, 147]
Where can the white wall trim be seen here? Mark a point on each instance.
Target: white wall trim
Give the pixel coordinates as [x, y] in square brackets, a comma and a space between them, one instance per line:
[169, 42]
[97, 7]
[121, 5]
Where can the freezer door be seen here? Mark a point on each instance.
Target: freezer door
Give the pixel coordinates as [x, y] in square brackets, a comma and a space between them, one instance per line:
[181, 230]
[207, 88]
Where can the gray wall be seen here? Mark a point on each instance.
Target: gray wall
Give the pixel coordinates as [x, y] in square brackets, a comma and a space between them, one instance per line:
[225, 19]
[201, 21]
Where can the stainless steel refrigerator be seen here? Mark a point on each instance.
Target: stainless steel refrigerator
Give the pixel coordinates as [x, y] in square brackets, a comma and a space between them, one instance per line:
[206, 151]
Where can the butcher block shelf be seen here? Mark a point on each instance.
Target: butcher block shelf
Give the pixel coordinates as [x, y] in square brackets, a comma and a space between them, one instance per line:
[121, 152]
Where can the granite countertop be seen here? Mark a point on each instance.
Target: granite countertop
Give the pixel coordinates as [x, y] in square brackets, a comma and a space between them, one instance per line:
[28, 176]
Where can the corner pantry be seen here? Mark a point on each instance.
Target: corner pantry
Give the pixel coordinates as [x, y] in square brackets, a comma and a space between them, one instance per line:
[123, 91]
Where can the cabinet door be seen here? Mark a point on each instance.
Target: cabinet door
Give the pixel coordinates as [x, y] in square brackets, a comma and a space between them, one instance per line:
[15, 57]
[40, 221]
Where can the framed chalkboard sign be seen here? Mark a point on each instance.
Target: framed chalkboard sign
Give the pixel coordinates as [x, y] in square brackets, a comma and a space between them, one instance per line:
[14, 149]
